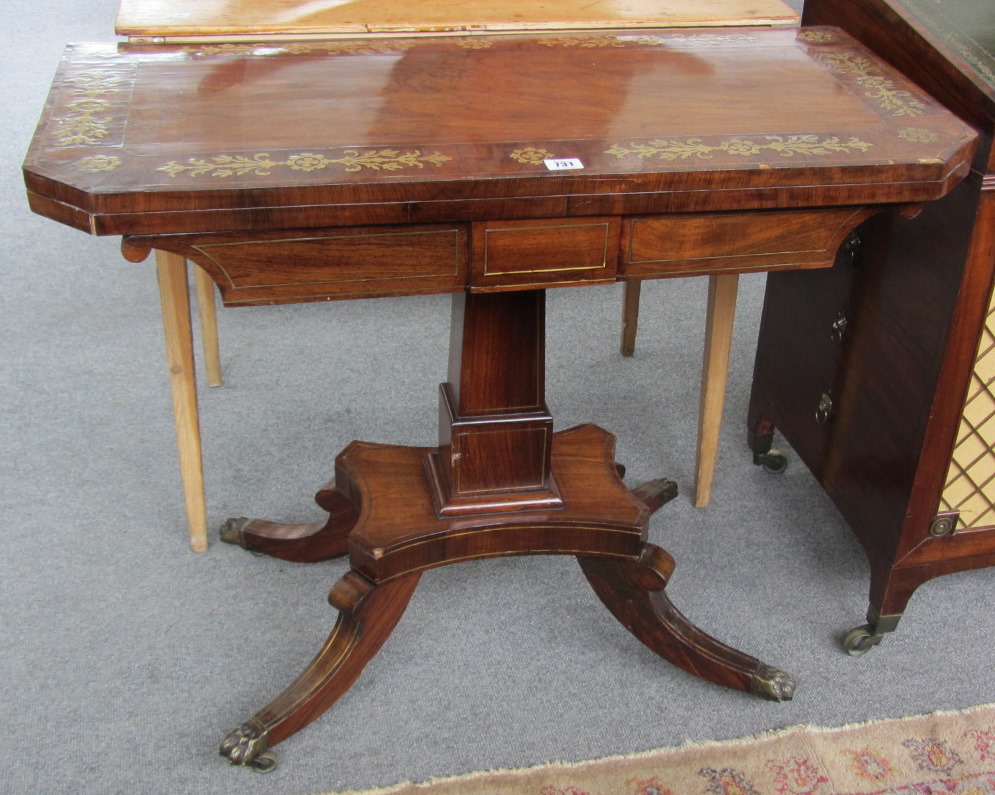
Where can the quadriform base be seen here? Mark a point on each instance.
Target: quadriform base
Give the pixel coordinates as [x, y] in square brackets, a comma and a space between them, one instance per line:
[382, 511]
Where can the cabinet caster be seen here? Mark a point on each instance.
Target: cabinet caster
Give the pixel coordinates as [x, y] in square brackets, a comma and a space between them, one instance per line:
[859, 640]
[773, 462]
[264, 763]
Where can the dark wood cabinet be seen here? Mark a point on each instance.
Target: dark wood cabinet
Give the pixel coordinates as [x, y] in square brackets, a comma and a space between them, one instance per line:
[879, 372]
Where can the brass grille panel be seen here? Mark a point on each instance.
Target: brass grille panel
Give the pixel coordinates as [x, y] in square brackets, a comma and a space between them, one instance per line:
[970, 484]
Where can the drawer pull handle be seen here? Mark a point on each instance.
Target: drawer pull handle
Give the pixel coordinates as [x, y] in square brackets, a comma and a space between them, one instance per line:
[838, 332]
[824, 409]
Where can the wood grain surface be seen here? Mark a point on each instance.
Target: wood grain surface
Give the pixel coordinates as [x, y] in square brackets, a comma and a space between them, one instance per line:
[242, 18]
[161, 139]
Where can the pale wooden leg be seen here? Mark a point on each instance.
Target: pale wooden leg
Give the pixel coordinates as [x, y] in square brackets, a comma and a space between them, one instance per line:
[175, 297]
[630, 316]
[715, 370]
[208, 325]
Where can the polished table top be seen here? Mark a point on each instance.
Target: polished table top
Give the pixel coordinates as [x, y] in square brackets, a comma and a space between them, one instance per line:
[241, 18]
[141, 139]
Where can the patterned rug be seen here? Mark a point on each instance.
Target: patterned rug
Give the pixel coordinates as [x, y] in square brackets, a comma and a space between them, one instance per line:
[946, 753]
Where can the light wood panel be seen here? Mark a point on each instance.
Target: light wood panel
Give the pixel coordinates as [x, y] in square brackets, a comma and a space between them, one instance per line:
[242, 19]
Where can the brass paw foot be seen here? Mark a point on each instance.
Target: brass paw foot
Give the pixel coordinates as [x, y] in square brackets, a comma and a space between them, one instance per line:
[248, 746]
[773, 684]
[233, 531]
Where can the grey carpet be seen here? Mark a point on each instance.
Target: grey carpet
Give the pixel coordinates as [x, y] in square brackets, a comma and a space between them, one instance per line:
[125, 657]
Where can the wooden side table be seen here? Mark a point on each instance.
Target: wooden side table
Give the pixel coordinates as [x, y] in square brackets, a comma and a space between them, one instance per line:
[245, 21]
[879, 373]
[784, 142]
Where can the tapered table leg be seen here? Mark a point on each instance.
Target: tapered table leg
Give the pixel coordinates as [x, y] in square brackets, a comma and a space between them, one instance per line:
[630, 316]
[174, 295]
[721, 313]
[207, 308]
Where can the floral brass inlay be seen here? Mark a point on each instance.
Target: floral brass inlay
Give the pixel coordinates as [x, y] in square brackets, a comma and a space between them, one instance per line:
[84, 126]
[786, 146]
[357, 46]
[918, 135]
[594, 41]
[815, 36]
[585, 42]
[531, 155]
[262, 165]
[900, 103]
[697, 39]
[476, 43]
[98, 163]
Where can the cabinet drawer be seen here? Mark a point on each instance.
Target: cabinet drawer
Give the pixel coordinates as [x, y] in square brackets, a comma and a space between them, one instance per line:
[544, 253]
[803, 355]
[323, 264]
[688, 245]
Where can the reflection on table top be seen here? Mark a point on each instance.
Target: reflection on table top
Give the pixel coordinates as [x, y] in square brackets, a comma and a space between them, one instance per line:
[684, 118]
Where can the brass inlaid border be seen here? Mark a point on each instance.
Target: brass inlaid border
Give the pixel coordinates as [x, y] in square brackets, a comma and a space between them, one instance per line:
[591, 41]
[876, 86]
[261, 165]
[358, 46]
[785, 146]
[577, 527]
[606, 225]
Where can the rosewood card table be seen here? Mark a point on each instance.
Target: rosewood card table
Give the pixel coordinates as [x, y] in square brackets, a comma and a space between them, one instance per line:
[241, 21]
[492, 168]
[893, 409]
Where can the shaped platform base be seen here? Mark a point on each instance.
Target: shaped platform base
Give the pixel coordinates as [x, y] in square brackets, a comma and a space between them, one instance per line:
[381, 509]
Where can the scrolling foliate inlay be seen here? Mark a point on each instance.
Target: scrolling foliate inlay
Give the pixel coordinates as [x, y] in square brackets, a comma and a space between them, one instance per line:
[87, 124]
[262, 164]
[332, 47]
[596, 41]
[816, 36]
[786, 146]
[877, 87]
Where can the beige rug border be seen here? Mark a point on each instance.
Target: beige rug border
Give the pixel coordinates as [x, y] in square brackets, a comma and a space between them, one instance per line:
[413, 788]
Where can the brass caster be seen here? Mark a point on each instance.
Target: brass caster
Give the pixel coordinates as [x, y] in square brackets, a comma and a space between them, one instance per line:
[859, 640]
[264, 763]
[773, 462]
[232, 531]
[248, 746]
